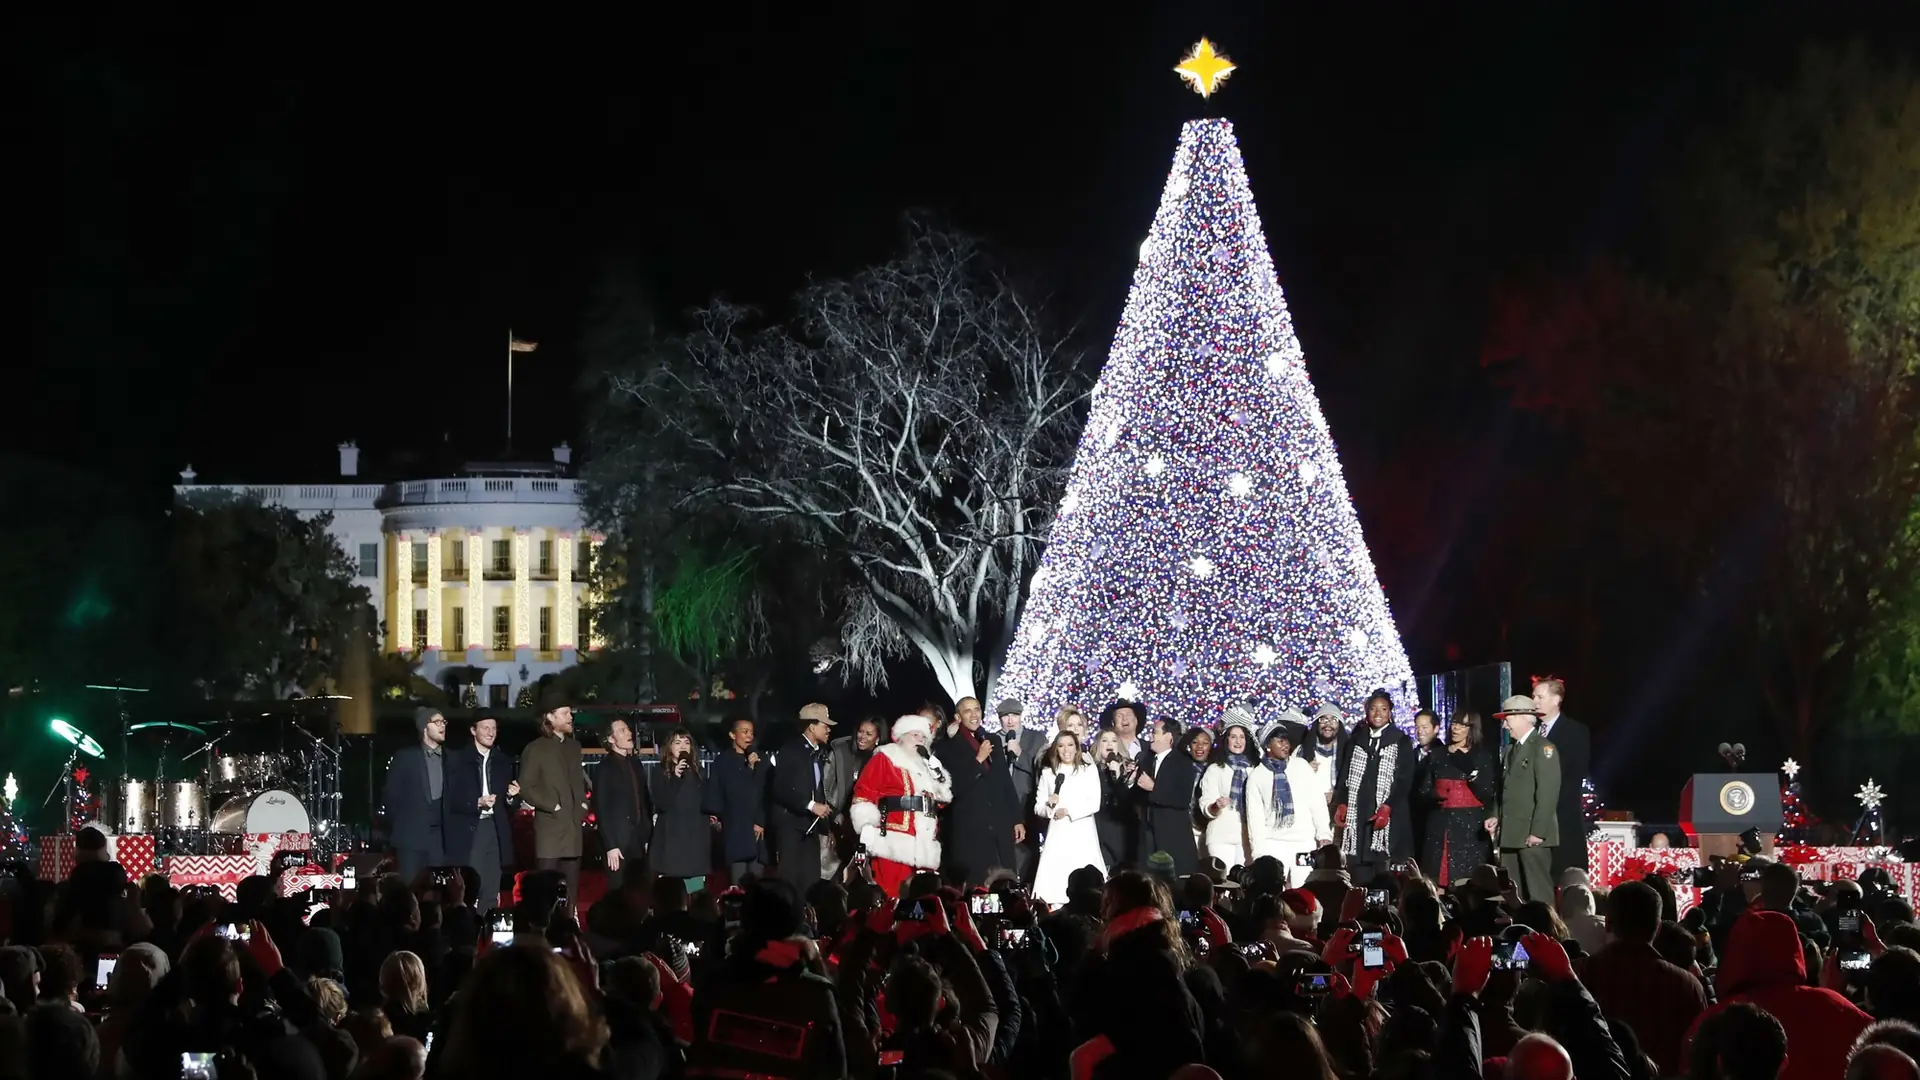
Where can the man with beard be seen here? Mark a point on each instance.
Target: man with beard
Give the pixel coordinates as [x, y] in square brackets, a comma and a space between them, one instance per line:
[1370, 789]
[986, 823]
[415, 798]
[896, 802]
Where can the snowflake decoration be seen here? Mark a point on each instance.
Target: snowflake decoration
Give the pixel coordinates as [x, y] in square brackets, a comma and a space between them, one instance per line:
[1309, 472]
[1870, 795]
[1265, 656]
[1239, 485]
[1201, 566]
[1155, 465]
[1791, 768]
[1128, 691]
[1277, 366]
[1071, 503]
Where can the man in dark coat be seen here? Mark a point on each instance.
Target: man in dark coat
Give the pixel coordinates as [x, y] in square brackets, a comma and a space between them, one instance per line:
[984, 826]
[802, 818]
[1025, 748]
[553, 781]
[1370, 789]
[737, 799]
[1167, 778]
[1574, 743]
[622, 810]
[479, 802]
[415, 797]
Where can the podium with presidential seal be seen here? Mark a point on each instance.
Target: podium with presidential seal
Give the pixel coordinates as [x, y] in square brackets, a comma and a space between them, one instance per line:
[1715, 808]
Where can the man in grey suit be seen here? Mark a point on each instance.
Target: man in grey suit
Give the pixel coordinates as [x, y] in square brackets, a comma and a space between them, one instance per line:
[1024, 750]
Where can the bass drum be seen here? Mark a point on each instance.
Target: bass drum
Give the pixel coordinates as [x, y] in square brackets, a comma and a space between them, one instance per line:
[267, 812]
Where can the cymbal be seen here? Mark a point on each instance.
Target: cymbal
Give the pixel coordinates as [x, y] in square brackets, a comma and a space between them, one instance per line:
[78, 738]
[175, 725]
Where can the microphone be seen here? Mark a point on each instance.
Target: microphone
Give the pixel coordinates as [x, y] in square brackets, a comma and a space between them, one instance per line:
[1059, 779]
[922, 751]
[1727, 755]
[1740, 753]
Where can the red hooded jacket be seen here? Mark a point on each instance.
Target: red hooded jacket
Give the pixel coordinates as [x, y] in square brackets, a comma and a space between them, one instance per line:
[1765, 967]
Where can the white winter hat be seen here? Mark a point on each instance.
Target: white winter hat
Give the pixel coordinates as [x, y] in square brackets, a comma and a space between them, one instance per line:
[1296, 718]
[907, 725]
[1238, 716]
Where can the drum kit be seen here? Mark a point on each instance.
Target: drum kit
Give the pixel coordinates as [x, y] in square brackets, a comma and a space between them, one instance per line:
[207, 791]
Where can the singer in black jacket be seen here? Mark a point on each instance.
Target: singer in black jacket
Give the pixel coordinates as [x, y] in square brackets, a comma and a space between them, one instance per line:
[1166, 786]
[985, 823]
[623, 810]
[797, 809]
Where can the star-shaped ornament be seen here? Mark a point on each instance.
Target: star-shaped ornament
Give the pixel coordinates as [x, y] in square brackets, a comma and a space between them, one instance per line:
[1204, 69]
[1201, 566]
[1870, 795]
[1791, 768]
[1128, 691]
[1264, 655]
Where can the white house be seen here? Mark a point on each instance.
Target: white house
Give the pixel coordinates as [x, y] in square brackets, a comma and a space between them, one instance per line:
[485, 570]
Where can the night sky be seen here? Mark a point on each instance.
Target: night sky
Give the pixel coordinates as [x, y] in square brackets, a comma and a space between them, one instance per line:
[253, 239]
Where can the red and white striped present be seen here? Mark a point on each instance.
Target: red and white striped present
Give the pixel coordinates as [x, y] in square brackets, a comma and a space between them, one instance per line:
[223, 871]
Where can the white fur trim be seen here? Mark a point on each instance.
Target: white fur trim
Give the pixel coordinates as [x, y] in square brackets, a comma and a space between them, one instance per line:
[907, 725]
[929, 777]
[865, 816]
[919, 849]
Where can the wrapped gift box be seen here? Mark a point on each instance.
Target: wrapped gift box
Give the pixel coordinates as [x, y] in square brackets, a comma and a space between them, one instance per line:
[295, 882]
[56, 857]
[223, 871]
[264, 846]
[136, 854]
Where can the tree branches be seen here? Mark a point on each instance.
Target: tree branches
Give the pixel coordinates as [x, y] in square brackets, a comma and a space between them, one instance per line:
[912, 421]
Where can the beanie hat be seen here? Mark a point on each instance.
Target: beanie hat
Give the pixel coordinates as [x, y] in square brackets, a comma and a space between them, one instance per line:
[423, 716]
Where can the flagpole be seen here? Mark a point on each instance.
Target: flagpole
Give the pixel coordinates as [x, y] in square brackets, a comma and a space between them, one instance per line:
[509, 388]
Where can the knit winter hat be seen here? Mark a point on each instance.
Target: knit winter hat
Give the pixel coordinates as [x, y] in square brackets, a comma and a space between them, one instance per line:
[423, 716]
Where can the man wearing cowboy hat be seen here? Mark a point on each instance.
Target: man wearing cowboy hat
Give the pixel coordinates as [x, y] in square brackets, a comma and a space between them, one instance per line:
[802, 818]
[1525, 823]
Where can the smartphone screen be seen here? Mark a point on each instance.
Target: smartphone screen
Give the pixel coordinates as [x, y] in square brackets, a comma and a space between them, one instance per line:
[1849, 922]
[348, 878]
[1303, 858]
[234, 931]
[1373, 952]
[103, 968]
[197, 1067]
[986, 905]
[1313, 984]
[911, 911]
[1012, 937]
[1855, 960]
[1378, 898]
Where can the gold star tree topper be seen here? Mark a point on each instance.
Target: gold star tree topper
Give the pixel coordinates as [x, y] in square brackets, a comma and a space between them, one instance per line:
[1204, 69]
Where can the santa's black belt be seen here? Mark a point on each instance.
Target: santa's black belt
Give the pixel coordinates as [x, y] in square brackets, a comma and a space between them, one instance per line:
[906, 804]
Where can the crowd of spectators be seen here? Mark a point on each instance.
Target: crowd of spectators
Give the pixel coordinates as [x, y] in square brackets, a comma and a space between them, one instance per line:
[1267, 972]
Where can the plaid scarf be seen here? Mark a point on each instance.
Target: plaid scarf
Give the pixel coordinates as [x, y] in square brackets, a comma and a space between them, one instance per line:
[1282, 793]
[1240, 763]
[1382, 787]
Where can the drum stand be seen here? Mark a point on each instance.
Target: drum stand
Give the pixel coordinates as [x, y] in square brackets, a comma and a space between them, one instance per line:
[65, 781]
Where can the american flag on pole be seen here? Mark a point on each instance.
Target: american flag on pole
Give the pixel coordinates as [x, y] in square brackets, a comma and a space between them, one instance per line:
[514, 344]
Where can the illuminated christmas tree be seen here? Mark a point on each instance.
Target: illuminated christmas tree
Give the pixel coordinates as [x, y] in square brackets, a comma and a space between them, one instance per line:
[1793, 815]
[1206, 552]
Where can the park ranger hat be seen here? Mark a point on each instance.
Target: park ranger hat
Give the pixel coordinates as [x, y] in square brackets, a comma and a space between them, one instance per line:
[1517, 705]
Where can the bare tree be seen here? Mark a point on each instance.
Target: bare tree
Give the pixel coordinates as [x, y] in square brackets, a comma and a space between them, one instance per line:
[915, 420]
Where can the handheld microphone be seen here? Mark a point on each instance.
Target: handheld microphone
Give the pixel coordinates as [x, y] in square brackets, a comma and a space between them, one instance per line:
[1059, 780]
[922, 751]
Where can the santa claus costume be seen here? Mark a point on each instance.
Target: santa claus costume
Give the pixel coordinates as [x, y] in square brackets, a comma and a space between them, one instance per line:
[895, 804]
